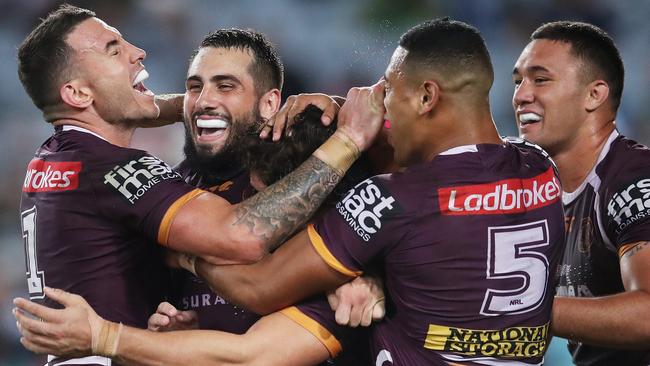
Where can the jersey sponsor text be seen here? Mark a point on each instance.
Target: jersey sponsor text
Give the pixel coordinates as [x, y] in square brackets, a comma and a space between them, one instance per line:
[46, 176]
[364, 206]
[509, 342]
[507, 196]
[630, 204]
[134, 178]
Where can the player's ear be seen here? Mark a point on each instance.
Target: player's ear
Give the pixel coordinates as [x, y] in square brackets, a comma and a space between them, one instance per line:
[269, 103]
[597, 96]
[428, 96]
[75, 93]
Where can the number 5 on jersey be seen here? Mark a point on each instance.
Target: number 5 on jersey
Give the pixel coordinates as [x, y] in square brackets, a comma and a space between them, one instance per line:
[516, 252]
[35, 278]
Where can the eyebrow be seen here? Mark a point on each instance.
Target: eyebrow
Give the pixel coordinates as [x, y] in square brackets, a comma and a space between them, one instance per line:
[216, 78]
[532, 69]
[111, 44]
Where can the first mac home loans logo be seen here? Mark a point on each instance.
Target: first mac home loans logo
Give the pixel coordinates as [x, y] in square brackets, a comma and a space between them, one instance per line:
[364, 206]
[134, 178]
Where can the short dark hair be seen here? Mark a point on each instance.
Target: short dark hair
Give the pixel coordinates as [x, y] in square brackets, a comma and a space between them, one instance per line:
[267, 69]
[594, 48]
[451, 46]
[271, 161]
[44, 56]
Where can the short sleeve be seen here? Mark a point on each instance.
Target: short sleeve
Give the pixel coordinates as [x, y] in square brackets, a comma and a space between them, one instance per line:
[626, 207]
[368, 221]
[316, 316]
[142, 192]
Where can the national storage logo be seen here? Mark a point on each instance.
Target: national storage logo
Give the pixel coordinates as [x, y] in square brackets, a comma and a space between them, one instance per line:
[364, 207]
[515, 342]
[51, 176]
[134, 178]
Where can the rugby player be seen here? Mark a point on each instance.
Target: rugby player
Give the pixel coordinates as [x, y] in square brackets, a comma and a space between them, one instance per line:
[91, 207]
[568, 85]
[469, 233]
[218, 85]
[306, 347]
[234, 76]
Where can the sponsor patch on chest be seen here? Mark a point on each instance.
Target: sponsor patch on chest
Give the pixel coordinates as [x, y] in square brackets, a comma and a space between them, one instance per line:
[506, 196]
[50, 176]
[136, 177]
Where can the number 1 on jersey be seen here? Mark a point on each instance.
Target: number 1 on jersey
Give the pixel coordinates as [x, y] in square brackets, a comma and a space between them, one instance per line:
[35, 278]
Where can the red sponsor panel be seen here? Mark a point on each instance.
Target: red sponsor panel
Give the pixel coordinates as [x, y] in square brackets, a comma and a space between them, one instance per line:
[506, 196]
[48, 176]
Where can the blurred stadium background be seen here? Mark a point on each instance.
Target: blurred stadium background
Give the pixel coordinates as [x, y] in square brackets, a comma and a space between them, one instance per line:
[326, 46]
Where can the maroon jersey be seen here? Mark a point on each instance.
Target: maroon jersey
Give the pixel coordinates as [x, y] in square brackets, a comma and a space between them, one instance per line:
[91, 213]
[469, 242]
[316, 316]
[190, 292]
[604, 216]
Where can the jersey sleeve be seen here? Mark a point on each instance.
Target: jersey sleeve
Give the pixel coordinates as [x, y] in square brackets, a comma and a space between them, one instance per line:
[142, 192]
[368, 221]
[316, 316]
[625, 209]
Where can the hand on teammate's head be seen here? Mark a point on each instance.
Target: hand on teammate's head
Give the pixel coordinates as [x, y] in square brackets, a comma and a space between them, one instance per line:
[280, 124]
[362, 115]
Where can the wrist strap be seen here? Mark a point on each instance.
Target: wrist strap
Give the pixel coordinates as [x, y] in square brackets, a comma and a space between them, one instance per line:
[339, 152]
[106, 342]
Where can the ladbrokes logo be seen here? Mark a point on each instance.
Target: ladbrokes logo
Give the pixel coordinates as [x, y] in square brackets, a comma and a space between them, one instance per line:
[364, 206]
[502, 197]
[136, 177]
[46, 176]
[630, 204]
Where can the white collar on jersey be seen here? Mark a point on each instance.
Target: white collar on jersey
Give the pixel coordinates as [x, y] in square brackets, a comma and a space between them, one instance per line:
[81, 129]
[568, 197]
[459, 150]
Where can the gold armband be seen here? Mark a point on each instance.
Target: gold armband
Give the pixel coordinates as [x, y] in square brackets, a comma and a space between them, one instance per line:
[339, 152]
[106, 342]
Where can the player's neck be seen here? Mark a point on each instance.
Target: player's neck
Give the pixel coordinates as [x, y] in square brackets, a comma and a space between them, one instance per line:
[465, 129]
[116, 134]
[579, 158]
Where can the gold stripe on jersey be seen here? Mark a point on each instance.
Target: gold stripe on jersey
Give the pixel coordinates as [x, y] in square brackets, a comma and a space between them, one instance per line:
[312, 326]
[510, 342]
[627, 247]
[166, 223]
[322, 250]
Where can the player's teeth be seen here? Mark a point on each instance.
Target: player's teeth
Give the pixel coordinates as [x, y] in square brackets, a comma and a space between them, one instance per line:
[530, 117]
[142, 76]
[211, 123]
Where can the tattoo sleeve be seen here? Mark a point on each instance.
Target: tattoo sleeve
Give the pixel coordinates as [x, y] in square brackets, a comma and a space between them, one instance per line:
[285, 206]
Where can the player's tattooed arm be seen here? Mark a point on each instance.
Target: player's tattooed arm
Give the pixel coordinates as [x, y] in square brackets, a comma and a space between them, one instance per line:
[276, 212]
[285, 206]
[208, 226]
